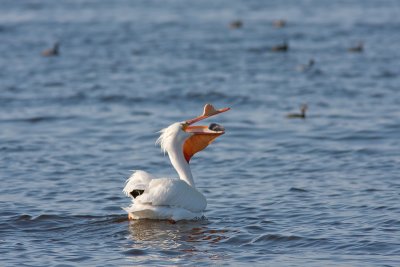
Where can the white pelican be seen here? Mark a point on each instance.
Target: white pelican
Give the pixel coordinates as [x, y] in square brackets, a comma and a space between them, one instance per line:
[167, 198]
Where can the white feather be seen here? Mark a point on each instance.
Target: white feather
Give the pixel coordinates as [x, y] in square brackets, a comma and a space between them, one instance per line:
[170, 135]
[139, 211]
[174, 193]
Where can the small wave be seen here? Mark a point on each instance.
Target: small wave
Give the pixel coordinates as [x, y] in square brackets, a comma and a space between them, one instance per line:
[371, 190]
[389, 26]
[391, 222]
[258, 50]
[23, 218]
[296, 189]
[46, 118]
[218, 96]
[134, 252]
[74, 98]
[64, 224]
[208, 95]
[39, 119]
[66, 218]
[203, 97]
[254, 228]
[53, 84]
[42, 100]
[363, 135]
[386, 74]
[277, 237]
[39, 218]
[119, 98]
[380, 208]
[372, 246]
[239, 239]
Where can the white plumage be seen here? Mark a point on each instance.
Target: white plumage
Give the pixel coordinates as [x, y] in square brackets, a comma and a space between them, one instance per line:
[164, 198]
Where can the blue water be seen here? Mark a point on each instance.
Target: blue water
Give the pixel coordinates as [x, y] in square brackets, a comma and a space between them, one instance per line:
[320, 191]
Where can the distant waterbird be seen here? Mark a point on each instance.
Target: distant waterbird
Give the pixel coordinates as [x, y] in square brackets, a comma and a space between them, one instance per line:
[306, 67]
[279, 23]
[236, 24]
[54, 51]
[357, 48]
[301, 115]
[281, 47]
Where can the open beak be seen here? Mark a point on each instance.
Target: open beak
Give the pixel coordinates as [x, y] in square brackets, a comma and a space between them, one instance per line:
[208, 111]
[202, 136]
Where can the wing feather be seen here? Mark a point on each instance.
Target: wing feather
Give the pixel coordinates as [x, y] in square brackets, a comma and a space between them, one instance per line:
[173, 193]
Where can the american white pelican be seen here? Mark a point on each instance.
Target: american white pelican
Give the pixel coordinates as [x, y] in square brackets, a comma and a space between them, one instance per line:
[167, 198]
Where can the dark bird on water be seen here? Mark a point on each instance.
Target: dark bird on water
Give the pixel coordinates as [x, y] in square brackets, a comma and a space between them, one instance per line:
[54, 51]
[301, 115]
[357, 49]
[279, 23]
[281, 47]
[306, 67]
[236, 24]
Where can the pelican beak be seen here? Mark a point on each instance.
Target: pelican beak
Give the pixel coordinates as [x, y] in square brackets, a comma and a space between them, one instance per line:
[208, 111]
[201, 136]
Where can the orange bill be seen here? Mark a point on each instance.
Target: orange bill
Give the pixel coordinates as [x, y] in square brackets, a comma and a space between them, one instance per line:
[208, 111]
[201, 137]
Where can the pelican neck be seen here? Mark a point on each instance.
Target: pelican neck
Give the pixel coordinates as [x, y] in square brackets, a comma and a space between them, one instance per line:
[180, 164]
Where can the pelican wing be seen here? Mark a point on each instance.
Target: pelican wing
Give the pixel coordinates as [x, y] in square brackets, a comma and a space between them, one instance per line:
[172, 193]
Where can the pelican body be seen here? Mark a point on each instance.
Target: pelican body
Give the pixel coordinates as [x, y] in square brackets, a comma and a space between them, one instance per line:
[168, 198]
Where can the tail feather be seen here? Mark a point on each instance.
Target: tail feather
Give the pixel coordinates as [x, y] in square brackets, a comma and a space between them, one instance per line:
[136, 192]
[137, 183]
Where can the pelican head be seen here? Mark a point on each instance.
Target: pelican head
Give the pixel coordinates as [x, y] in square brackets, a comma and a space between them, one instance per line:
[181, 140]
[191, 139]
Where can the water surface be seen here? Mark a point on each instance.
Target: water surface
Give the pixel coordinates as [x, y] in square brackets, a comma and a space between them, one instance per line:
[323, 191]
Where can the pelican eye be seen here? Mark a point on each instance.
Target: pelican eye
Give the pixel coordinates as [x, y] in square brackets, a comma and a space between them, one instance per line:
[216, 127]
[184, 125]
